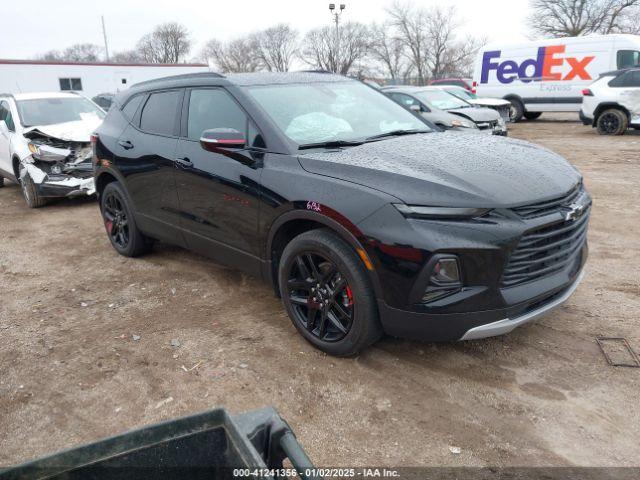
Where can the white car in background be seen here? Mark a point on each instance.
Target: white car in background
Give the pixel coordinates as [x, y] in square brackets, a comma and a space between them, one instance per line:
[45, 144]
[503, 107]
[612, 103]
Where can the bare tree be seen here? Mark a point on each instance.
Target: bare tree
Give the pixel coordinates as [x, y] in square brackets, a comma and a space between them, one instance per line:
[127, 56]
[80, 52]
[570, 18]
[276, 47]
[411, 25]
[239, 55]
[168, 43]
[83, 52]
[325, 49]
[388, 50]
[430, 38]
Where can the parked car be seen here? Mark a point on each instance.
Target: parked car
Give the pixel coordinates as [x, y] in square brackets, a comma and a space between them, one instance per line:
[104, 100]
[432, 99]
[465, 83]
[363, 218]
[503, 107]
[45, 144]
[549, 75]
[612, 103]
[444, 120]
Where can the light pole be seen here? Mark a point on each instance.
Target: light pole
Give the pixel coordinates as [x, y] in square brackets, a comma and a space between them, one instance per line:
[336, 18]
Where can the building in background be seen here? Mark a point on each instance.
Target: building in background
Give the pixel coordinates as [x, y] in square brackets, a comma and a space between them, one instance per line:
[89, 79]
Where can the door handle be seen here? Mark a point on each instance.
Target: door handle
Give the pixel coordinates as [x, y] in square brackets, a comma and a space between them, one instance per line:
[126, 144]
[184, 161]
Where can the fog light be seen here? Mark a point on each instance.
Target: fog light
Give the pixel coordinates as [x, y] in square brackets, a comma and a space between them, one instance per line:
[446, 271]
[444, 279]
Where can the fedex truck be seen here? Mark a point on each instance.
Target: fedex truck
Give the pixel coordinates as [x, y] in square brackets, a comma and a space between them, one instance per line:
[549, 75]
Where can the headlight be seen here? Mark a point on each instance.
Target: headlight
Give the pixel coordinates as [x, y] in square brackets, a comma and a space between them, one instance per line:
[462, 124]
[415, 211]
[47, 153]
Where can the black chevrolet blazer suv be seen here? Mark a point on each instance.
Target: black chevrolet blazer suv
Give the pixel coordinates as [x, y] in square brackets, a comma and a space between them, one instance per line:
[364, 218]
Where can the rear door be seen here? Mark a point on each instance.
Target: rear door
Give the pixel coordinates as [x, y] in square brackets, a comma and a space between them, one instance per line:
[219, 193]
[628, 94]
[145, 154]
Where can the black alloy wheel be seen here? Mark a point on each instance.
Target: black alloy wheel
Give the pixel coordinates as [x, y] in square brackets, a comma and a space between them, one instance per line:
[328, 294]
[116, 220]
[612, 122]
[321, 297]
[120, 223]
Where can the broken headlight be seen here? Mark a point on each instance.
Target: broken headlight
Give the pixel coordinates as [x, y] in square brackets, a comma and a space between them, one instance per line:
[463, 124]
[47, 153]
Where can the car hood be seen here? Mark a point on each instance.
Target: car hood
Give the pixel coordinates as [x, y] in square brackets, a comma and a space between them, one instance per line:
[490, 102]
[450, 169]
[477, 114]
[78, 131]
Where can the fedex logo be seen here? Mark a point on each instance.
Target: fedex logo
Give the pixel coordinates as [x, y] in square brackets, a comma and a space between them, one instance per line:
[545, 67]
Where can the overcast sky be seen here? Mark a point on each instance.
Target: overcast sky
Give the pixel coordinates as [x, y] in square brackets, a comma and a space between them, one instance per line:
[36, 26]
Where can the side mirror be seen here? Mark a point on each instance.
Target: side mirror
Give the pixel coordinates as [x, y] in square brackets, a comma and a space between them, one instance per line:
[4, 130]
[216, 138]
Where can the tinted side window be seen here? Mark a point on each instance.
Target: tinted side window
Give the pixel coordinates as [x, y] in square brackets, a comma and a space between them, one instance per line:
[213, 109]
[628, 58]
[623, 80]
[131, 107]
[5, 114]
[635, 79]
[160, 112]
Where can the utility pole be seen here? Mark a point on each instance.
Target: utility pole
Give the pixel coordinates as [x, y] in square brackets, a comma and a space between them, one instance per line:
[336, 18]
[104, 34]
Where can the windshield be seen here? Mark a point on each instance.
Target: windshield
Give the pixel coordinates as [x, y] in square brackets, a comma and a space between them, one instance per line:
[334, 111]
[462, 93]
[441, 99]
[49, 111]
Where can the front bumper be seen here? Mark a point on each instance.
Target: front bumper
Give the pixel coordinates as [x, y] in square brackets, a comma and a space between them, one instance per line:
[60, 185]
[506, 325]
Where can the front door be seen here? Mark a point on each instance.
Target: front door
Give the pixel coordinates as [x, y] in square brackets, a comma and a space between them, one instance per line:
[219, 193]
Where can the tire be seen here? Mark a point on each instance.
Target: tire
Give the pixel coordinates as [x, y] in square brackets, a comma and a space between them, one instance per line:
[516, 112]
[30, 192]
[612, 122]
[532, 115]
[120, 223]
[348, 290]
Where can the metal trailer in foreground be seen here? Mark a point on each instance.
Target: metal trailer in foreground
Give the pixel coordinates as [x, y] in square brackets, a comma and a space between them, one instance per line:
[212, 445]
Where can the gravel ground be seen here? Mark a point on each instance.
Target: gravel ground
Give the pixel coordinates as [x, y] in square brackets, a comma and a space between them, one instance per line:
[72, 372]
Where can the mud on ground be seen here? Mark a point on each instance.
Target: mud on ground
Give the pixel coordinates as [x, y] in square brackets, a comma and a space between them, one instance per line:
[70, 371]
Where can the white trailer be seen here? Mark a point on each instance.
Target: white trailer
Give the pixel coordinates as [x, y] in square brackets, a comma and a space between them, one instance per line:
[89, 79]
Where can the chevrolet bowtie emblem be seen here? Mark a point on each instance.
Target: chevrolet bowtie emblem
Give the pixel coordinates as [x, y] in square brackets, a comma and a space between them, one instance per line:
[574, 212]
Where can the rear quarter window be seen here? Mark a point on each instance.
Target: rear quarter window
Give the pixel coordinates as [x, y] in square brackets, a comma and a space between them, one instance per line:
[131, 107]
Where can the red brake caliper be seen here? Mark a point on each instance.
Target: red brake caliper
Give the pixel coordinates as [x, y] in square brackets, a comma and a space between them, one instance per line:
[109, 225]
[349, 295]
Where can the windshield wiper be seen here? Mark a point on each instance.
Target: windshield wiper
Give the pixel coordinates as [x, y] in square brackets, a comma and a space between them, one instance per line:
[397, 133]
[331, 144]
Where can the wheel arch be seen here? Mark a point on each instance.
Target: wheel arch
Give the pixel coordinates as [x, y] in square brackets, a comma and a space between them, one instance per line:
[606, 106]
[291, 224]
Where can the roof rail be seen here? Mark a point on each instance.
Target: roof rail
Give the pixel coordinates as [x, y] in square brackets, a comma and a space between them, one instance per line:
[179, 77]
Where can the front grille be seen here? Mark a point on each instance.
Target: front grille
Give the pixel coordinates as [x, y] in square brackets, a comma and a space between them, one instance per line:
[546, 250]
[550, 206]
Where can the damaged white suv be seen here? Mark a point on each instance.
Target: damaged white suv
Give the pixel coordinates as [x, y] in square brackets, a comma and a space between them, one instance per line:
[612, 103]
[45, 144]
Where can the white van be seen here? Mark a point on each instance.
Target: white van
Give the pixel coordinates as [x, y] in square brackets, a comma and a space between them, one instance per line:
[549, 75]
